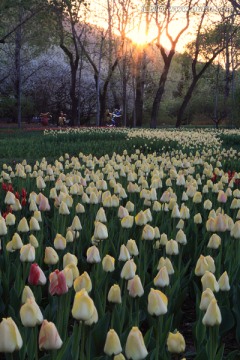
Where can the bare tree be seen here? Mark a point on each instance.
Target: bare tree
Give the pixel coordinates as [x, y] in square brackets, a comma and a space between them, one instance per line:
[164, 17]
[208, 44]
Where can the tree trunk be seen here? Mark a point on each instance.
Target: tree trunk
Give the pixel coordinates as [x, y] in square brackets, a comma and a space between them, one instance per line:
[140, 82]
[161, 87]
[186, 100]
[73, 95]
[124, 90]
[18, 85]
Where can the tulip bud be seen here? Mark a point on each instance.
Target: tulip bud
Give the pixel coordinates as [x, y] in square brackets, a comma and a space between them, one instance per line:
[181, 237]
[33, 241]
[166, 262]
[162, 278]
[58, 284]
[74, 270]
[69, 259]
[101, 216]
[127, 222]
[9, 198]
[213, 315]
[132, 247]
[208, 280]
[33, 224]
[49, 338]
[83, 282]
[108, 263]
[135, 348]
[100, 232]
[141, 218]
[23, 225]
[172, 247]
[207, 296]
[16, 242]
[36, 275]
[130, 206]
[10, 337]
[135, 287]
[10, 219]
[114, 294]
[27, 253]
[163, 239]
[83, 306]
[197, 219]
[214, 242]
[93, 255]
[76, 224]
[63, 209]
[30, 313]
[176, 343]
[223, 282]
[124, 253]
[51, 257]
[128, 270]
[112, 344]
[27, 294]
[157, 303]
[60, 242]
[148, 233]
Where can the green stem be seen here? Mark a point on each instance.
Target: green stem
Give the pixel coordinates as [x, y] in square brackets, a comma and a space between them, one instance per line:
[158, 334]
[36, 342]
[82, 355]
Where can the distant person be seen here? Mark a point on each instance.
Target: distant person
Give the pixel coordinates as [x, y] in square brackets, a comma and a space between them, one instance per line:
[62, 119]
[108, 117]
[45, 118]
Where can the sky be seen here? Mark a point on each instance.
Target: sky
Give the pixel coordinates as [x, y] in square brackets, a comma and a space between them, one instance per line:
[137, 25]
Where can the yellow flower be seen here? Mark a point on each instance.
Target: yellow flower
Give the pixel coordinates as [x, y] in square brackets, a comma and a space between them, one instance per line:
[148, 232]
[83, 306]
[83, 282]
[172, 247]
[214, 242]
[223, 282]
[132, 247]
[208, 280]
[23, 225]
[27, 294]
[30, 313]
[176, 343]
[213, 315]
[207, 296]
[27, 253]
[69, 259]
[60, 242]
[128, 270]
[135, 348]
[114, 294]
[127, 222]
[157, 302]
[112, 344]
[108, 263]
[10, 337]
[51, 256]
[162, 278]
[135, 287]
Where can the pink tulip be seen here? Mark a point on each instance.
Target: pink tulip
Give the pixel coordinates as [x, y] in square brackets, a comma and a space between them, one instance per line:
[43, 203]
[36, 275]
[58, 284]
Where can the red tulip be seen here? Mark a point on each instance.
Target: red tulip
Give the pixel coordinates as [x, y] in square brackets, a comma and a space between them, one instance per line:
[36, 275]
[58, 284]
[24, 193]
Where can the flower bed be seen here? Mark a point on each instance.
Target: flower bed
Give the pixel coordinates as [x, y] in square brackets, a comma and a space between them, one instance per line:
[99, 255]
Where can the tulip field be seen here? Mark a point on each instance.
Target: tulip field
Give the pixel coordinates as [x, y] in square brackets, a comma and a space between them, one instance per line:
[120, 244]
